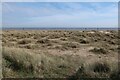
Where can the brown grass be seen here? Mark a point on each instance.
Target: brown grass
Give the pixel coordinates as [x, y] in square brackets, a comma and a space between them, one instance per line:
[24, 41]
[60, 53]
[99, 51]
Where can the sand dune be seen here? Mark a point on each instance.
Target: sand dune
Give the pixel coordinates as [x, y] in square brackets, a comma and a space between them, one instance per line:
[60, 53]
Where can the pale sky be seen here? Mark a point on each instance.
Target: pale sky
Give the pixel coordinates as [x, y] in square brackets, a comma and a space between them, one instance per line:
[60, 0]
[60, 14]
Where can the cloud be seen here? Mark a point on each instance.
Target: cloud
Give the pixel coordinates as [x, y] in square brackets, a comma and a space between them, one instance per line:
[60, 14]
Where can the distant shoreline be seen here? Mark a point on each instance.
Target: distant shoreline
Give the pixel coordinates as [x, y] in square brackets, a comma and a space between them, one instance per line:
[60, 28]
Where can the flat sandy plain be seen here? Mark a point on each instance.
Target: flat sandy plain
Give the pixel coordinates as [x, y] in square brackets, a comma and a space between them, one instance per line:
[60, 53]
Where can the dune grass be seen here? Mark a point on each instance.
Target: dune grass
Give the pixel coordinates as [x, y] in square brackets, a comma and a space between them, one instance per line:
[59, 54]
[36, 64]
[24, 63]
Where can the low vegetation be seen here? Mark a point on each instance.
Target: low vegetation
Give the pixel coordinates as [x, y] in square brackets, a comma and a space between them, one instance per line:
[69, 54]
[24, 41]
[99, 51]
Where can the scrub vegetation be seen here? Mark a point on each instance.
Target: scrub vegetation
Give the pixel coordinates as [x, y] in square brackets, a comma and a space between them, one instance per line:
[69, 54]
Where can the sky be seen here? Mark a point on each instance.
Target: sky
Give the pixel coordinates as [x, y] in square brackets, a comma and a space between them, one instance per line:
[0, 15]
[60, 14]
[60, 0]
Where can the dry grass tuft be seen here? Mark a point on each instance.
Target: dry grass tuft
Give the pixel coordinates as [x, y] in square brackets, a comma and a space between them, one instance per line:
[24, 41]
[20, 60]
[43, 41]
[68, 45]
[101, 67]
[99, 51]
[84, 41]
